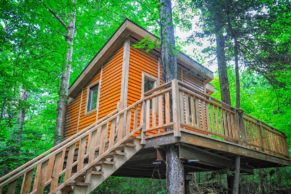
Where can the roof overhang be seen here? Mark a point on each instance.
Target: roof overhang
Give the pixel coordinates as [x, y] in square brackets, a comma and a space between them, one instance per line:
[128, 28]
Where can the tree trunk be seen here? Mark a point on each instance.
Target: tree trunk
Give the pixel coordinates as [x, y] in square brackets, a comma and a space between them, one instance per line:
[175, 168]
[64, 86]
[17, 136]
[237, 77]
[235, 189]
[168, 56]
[220, 53]
[175, 171]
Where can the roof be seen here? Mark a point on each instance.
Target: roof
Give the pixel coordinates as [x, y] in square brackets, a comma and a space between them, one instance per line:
[130, 29]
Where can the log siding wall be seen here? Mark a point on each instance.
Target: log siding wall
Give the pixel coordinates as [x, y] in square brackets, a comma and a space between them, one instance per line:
[109, 95]
[110, 84]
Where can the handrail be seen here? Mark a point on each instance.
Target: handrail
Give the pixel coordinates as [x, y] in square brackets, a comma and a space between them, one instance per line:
[210, 98]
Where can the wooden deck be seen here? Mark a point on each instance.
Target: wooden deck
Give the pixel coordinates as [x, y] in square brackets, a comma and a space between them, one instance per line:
[208, 134]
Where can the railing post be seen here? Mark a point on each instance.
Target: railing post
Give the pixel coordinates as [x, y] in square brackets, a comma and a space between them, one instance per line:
[240, 126]
[176, 108]
[143, 128]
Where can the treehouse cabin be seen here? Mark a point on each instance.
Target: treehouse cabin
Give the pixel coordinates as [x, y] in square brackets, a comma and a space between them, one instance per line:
[121, 117]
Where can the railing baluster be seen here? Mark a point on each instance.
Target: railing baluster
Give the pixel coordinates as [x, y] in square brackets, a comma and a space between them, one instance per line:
[143, 121]
[57, 169]
[182, 108]
[187, 111]
[148, 113]
[37, 177]
[120, 127]
[11, 187]
[112, 134]
[128, 122]
[154, 112]
[70, 160]
[98, 139]
[135, 120]
[92, 146]
[167, 108]
[161, 105]
[192, 109]
[81, 153]
[104, 135]
[26, 182]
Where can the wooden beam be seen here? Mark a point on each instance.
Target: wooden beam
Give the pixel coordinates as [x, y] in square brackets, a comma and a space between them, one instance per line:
[125, 72]
[193, 138]
[204, 157]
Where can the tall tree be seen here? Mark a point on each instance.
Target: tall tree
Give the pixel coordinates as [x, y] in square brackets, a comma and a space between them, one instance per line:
[66, 69]
[175, 168]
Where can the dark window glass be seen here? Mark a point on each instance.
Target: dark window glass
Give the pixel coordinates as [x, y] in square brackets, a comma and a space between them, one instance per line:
[93, 98]
[148, 84]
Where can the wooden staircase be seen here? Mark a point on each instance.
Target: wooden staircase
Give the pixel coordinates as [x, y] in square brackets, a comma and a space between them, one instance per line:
[83, 161]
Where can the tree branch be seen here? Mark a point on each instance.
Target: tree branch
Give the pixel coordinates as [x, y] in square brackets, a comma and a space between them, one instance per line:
[56, 16]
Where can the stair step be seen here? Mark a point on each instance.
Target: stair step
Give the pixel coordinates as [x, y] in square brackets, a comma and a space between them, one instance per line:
[131, 145]
[108, 162]
[80, 184]
[97, 173]
[116, 152]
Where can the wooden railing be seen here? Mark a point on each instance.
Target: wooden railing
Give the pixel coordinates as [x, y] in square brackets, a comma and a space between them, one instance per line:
[170, 108]
[205, 115]
[177, 106]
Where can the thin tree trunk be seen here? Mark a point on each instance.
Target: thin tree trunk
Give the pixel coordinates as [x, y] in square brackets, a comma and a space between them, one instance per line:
[3, 108]
[17, 136]
[175, 168]
[235, 189]
[237, 76]
[220, 53]
[64, 86]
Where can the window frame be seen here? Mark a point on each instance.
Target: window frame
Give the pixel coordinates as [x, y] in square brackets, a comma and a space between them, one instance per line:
[88, 95]
[144, 76]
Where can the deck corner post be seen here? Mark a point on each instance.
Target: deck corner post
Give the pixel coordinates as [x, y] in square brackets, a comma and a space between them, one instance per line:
[176, 108]
[240, 126]
[175, 171]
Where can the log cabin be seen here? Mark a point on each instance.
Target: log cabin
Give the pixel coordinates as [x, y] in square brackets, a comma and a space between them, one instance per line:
[121, 116]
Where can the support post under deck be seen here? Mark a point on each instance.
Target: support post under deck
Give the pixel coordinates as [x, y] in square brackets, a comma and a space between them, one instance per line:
[175, 171]
[235, 189]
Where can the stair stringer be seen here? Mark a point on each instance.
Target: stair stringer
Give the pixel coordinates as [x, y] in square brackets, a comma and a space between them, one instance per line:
[108, 169]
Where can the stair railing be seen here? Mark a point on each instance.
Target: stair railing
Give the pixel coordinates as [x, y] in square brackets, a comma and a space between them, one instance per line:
[53, 169]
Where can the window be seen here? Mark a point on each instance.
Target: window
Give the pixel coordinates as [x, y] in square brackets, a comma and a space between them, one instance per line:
[92, 98]
[148, 83]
